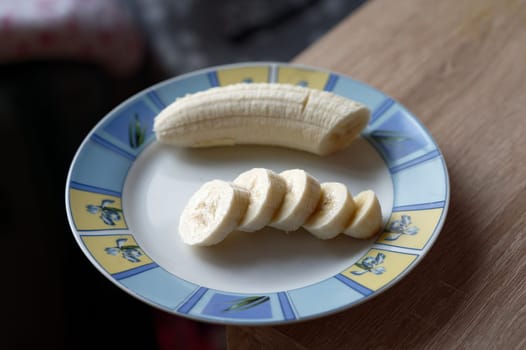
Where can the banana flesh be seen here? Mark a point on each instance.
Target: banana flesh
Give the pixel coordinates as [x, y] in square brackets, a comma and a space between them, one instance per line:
[368, 217]
[300, 201]
[275, 114]
[212, 213]
[287, 201]
[333, 213]
[267, 190]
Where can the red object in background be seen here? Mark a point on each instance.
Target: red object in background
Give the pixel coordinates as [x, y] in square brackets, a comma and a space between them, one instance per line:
[174, 332]
[98, 31]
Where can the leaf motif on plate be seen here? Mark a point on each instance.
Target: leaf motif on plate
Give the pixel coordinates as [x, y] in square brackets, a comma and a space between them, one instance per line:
[389, 136]
[136, 132]
[246, 303]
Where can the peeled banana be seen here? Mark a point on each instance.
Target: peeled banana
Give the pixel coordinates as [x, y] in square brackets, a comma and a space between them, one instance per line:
[276, 114]
[334, 210]
[301, 199]
[267, 190]
[289, 200]
[368, 217]
[213, 212]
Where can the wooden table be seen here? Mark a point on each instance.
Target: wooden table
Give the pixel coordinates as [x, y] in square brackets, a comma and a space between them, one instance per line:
[460, 66]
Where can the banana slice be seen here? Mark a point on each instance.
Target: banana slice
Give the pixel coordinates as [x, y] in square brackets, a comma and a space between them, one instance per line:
[267, 190]
[367, 220]
[300, 201]
[212, 213]
[333, 213]
[262, 113]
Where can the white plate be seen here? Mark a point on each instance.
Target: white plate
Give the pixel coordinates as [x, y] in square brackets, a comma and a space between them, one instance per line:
[125, 192]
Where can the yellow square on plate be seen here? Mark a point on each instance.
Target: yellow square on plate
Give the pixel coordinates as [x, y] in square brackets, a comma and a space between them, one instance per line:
[411, 229]
[243, 74]
[95, 211]
[116, 253]
[379, 267]
[305, 77]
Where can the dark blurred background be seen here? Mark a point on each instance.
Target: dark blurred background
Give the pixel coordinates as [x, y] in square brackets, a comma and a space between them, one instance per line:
[63, 65]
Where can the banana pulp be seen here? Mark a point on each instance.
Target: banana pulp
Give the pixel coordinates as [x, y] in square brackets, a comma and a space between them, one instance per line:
[333, 213]
[212, 213]
[301, 199]
[267, 190]
[284, 115]
[289, 200]
[365, 219]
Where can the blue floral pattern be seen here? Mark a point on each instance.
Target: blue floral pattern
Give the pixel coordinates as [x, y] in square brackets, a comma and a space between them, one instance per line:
[401, 227]
[370, 264]
[108, 214]
[132, 253]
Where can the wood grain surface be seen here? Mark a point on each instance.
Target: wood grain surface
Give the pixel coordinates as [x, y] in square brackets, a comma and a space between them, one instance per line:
[460, 66]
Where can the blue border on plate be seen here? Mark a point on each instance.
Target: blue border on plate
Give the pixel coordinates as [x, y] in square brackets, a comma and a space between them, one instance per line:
[194, 299]
[286, 307]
